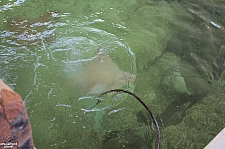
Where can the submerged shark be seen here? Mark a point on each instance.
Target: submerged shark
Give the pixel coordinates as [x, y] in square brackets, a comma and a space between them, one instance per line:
[100, 74]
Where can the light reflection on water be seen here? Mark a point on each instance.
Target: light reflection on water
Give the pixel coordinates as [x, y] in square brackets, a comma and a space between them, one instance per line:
[176, 53]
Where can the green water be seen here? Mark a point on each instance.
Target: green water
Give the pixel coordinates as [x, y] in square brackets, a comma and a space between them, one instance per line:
[172, 47]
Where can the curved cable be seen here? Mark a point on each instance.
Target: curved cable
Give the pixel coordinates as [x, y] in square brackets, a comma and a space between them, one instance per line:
[146, 107]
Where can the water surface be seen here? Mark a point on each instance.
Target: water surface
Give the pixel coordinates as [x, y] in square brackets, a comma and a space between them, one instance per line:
[175, 49]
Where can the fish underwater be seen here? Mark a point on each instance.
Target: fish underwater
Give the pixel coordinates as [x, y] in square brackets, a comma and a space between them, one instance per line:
[100, 74]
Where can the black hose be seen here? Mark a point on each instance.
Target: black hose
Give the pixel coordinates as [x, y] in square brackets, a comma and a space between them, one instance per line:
[146, 107]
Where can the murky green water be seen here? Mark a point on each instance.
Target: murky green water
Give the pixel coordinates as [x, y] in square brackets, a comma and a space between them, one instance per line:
[175, 49]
